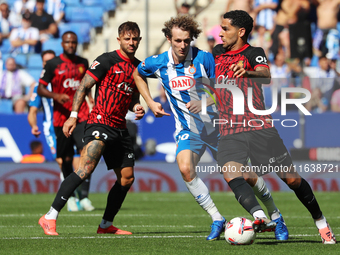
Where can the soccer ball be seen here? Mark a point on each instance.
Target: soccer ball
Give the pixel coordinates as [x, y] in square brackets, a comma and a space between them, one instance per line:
[239, 231]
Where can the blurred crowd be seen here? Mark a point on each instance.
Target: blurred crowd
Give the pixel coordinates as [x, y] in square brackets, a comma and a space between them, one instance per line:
[301, 40]
[25, 25]
[29, 23]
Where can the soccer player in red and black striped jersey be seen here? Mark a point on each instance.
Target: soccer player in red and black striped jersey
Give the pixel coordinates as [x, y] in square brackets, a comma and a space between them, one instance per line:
[240, 66]
[65, 73]
[105, 133]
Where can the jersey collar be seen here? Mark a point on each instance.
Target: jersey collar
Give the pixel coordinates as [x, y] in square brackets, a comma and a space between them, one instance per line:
[239, 50]
[124, 58]
[188, 57]
[66, 59]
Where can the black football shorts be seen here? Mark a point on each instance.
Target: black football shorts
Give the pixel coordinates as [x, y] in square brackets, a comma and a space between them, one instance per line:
[264, 148]
[65, 146]
[118, 144]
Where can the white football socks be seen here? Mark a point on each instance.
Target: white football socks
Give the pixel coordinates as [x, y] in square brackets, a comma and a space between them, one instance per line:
[201, 194]
[261, 191]
[105, 224]
[52, 214]
[322, 223]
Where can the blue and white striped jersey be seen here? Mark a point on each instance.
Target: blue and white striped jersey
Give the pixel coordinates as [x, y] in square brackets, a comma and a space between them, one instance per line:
[265, 17]
[47, 105]
[183, 83]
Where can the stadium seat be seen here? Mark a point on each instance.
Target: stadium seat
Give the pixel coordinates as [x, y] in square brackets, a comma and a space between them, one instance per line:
[6, 106]
[108, 5]
[72, 2]
[4, 57]
[53, 44]
[10, 3]
[5, 46]
[82, 30]
[35, 73]
[92, 14]
[34, 61]
[21, 59]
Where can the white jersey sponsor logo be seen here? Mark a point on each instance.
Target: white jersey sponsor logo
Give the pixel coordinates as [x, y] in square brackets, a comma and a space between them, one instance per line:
[71, 83]
[182, 83]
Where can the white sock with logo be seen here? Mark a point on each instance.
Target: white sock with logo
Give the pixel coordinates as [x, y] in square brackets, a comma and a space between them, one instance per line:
[105, 223]
[262, 192]
[52, 214]
[322, 223]
[201, 194]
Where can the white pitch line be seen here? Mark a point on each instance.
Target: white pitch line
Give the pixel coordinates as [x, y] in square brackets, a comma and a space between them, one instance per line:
[121, 226]
[75, 214]
[138, 226]
[117, 237]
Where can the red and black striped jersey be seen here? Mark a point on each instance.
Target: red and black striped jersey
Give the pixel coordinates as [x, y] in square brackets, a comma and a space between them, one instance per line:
[114, 88]
[249, 58]
[65, 76]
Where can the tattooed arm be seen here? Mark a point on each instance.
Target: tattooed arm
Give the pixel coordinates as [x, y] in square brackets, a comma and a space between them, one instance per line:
[85, 85]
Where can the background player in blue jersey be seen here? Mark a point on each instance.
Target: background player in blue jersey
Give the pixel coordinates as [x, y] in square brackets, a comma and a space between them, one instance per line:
[37, 102]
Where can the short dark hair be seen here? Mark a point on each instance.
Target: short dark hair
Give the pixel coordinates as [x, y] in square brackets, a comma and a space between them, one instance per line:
[27, 15]
[186, 5]
[35, 144]
[43, 53]
[128, 26]
[40, 1]
[240, 19]
[69, 32]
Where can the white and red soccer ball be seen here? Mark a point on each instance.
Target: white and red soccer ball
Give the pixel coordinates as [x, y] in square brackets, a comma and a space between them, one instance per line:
[239, 231]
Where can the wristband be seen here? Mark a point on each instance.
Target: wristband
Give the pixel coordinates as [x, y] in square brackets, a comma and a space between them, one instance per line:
[134, 108]
[74, 114]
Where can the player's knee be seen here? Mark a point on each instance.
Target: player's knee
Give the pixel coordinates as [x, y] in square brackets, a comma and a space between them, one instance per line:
[293, 183]
[250, 179]
[127, 181]
[184, 169]
[187, 174]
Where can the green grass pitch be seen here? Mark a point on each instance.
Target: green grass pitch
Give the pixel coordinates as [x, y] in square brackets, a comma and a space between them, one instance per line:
[162, 223]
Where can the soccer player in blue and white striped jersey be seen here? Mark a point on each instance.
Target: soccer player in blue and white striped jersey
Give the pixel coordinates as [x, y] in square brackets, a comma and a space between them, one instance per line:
[185, 73]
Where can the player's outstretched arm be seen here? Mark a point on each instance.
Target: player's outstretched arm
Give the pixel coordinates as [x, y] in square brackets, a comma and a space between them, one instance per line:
[44, 92]
[85, 85]
[32, 120]
[143, 89]
[261, 73]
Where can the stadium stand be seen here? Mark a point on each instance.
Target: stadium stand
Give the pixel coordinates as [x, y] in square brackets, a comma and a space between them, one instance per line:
[108, 5]
[21, 59]
[34, 61]
[82, 29]
[72, 2]
[94, 14]
[55, 44]
[35, 73]
[6, 106]
[5, 46]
